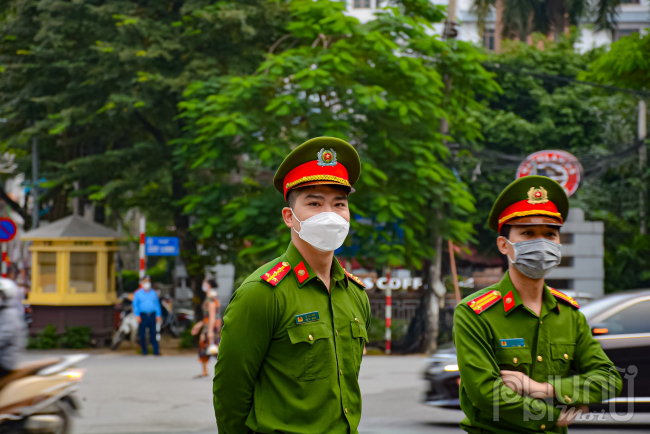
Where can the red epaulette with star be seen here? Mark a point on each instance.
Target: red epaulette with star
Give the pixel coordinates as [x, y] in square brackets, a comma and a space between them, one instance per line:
[354, 278]
[484, 301]
[276, 274]
[561, 296]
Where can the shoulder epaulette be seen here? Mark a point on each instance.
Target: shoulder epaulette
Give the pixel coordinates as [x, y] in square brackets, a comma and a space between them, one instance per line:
[354, 278]
[561, 296]
[276, 274]
[484, 301]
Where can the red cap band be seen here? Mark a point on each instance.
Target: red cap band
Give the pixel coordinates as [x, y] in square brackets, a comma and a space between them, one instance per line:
[311, 172]
[524, 208]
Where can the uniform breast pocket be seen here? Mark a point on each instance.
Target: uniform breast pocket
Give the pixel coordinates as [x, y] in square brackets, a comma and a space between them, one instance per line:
[359, 340]
[312, 349]
[514, 359]
[562, 355]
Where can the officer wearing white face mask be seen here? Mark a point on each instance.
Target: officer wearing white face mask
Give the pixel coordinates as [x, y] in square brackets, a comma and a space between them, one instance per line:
[526, 355]
[294, 332]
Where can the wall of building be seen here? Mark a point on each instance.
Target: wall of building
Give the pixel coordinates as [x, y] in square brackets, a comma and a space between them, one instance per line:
[632, 17]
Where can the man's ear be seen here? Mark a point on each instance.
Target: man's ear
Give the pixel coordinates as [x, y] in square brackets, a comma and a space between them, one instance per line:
[287, 216]
[502, 244]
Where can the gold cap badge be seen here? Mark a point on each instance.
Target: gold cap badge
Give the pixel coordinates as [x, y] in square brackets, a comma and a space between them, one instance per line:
[537, 195]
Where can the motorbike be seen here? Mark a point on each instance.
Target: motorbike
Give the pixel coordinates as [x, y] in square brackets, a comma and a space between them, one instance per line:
[38, 397]
[174, 321]
[127, 322]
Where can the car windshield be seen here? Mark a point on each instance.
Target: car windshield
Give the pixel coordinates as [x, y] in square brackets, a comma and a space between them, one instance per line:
[597, 307]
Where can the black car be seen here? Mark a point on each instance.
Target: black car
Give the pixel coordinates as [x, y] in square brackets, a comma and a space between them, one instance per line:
[620, 322]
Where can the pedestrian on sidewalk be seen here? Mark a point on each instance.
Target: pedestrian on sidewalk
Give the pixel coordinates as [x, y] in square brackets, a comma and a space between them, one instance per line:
[146, 307]
[210, 327]
[294, 331]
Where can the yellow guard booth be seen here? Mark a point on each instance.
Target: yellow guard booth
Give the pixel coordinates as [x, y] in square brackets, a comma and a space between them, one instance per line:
[73, 275]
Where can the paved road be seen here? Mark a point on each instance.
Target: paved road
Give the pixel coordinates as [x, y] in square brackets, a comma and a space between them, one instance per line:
[124, 394]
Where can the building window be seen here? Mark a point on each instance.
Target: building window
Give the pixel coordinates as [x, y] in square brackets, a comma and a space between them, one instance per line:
[620, 33]
[630, 2]
[488, 39]
[111, 272]
[560, 284]
[47, 271]
[362, 4]
[83, 270]
[566, 238]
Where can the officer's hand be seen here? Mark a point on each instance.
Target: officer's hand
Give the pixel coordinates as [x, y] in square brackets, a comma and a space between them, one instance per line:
[158, 318]
[138, 319]
[569, 415]
[514, 380]
[522, 384]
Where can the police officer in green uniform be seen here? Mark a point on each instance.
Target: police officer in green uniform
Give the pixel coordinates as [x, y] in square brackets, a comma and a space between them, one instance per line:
[528, 362]
[295, 330]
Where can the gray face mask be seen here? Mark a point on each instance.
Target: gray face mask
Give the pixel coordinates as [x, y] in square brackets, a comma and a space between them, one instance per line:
[536, 258]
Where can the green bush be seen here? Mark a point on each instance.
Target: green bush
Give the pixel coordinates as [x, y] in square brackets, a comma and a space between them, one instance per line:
[187, 340]
[76, 337]
[131, 280]
[46, 339]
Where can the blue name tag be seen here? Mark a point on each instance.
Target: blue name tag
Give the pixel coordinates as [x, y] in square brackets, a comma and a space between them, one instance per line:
[510, 343]
[307, 317]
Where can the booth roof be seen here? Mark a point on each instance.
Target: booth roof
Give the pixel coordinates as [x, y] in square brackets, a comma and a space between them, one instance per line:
[72, 227]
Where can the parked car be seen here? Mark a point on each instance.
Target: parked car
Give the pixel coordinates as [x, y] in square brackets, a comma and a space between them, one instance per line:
[620, 322]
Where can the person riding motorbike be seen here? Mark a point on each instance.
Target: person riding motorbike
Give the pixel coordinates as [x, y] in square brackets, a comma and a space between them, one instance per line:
[12, 328]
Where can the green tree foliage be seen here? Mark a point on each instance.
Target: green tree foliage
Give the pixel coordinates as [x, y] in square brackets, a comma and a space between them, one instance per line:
[533, 114]
[626, 64]
[99, 82]
[380, 86]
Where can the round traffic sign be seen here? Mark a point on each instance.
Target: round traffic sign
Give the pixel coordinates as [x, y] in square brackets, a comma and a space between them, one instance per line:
[7, 229]
[557, 165]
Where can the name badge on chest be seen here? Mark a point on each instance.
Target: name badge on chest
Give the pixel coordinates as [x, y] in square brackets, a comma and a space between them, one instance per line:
[307, 317]
[510, 343]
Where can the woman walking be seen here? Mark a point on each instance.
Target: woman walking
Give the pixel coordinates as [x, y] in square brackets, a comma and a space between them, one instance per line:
[210, 327]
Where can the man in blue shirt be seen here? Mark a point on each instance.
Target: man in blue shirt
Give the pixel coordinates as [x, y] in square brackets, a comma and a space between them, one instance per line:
[146, 308]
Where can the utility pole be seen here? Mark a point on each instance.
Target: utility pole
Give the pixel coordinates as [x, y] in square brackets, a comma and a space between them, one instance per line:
[36, 208]
[431, 299]
[643, 160]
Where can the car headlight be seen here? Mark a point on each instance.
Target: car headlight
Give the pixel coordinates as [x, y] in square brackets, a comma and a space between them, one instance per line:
[451, 368]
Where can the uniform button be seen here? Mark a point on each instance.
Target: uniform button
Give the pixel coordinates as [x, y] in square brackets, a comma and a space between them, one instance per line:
[541, 322]
[337, 333]
[311, 338]
[514, 360]
[346, 411]
[543, 426]
[340, 371]
[356, 320]
[566, 357]
[567, 399]
[539, 359]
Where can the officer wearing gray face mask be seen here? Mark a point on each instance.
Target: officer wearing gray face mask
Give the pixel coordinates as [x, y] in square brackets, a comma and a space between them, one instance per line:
[526, 354]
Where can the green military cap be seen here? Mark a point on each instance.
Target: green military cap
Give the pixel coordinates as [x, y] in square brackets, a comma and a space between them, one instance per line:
[322, 160]
[531, 200]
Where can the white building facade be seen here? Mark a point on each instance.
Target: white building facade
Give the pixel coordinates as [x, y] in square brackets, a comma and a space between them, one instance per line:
[633, 17]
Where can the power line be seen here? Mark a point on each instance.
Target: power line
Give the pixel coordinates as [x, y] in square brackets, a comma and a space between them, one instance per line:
[544, 76]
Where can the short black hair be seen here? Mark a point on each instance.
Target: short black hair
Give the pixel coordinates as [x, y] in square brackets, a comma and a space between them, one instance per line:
[505, 230]
[212, 283]
[292, 195]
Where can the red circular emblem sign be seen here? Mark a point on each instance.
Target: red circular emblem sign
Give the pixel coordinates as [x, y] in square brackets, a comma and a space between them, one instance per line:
[557, 165]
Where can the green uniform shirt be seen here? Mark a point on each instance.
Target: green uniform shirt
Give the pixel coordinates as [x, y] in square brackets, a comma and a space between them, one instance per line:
[558, 348]
[280, 371]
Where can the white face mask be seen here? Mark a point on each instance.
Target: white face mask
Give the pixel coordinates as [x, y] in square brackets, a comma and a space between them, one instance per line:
[146, 285]
[325, 231]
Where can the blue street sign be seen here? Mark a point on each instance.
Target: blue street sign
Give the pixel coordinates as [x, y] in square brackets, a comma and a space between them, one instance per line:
[161, 246]
[7, 229]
